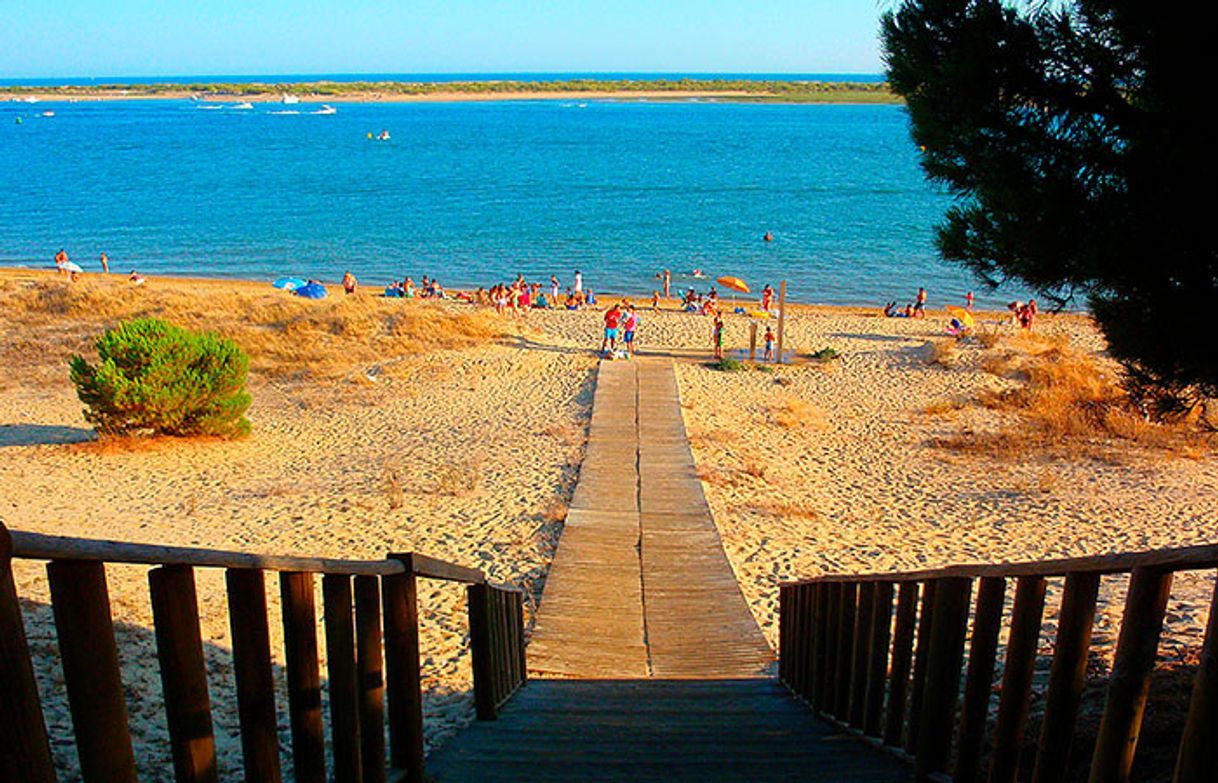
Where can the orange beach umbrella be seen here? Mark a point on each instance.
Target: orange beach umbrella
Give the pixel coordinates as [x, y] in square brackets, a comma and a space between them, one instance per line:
[734, 283]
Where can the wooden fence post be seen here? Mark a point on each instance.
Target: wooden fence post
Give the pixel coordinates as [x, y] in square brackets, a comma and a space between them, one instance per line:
[252, 673]
[370, 661]
[926, 617]
[179, 646]
[90, 670]
[344, 683]
[784, 633]
[25, 751]
[877, 667]
[845, 650]
[1198, 759]
[1137, 644]
[1067, 678]
[401, 608]
[948, 629]
[820, 643]
[1017, 678]
[833, 648]
[983, 649]
[480, 650]
[304, 677]
[902, 658]
[862, 654]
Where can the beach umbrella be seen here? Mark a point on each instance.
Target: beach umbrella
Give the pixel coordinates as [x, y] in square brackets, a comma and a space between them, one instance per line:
[311, 291]
[72, 266]
[734, 283]
[289, 283]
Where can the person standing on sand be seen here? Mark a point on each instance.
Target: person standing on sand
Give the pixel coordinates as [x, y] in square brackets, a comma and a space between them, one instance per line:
[105, 262]
[717, 336]
[968, 301]
[630, 324]
[655, 301]
[61, 261]
[919, 310]
[349, 283]
[579, 283]
[554, 288]
[768, 356]
[613, 318]
[667, 282]
[767, 297]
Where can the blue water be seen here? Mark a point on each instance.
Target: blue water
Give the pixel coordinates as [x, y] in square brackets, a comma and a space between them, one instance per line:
[476, 192]
[436, 78]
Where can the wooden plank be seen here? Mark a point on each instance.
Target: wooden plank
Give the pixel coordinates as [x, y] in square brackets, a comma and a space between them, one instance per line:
[344, 683]
[1017, 678]
[877, 668]
[399, 594]
[304, 677]
[91, 673]
[1129, 685]
[978, 682]
[25, 751]
[902, 659]
[1067, 678]
[926, 617]
[1169, 559]
[370, 662]
[948, 628]
[1197, 760]
[431, 568]
[252, 673]
[175, 613]
[39, 546]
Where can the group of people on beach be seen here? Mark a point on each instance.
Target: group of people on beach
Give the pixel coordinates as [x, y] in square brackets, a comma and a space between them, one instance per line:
[1022, 314]
[73, 271]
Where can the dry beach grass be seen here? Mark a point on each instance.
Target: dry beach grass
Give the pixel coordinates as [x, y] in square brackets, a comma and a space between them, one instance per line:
[384, 425]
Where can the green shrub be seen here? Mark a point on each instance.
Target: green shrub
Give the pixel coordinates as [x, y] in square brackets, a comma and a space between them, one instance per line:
[154, 377]
[727, 364]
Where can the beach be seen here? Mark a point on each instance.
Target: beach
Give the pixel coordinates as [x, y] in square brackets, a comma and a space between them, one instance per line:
[468, 449]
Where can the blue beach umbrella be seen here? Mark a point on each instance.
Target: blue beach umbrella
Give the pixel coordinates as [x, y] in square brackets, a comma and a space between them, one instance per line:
[289, 283]
[311, 291]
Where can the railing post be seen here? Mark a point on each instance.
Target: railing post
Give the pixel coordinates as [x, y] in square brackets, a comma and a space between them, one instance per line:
[921, 657]
[370, 662]
[803, 663]
[1137, 644]
[862, 654]
[90, 670]
[845, 650]
[252, 673]
[877, 666]
[902, 658]
[179, 646]
[811, 671]
[304, 676]
[948, 629]
[1198, 759]
[1067, 678]
[339, 616]
[983, 649]
[25, 751]
[1017, 678]
[480, 650]
[833, 648]
[400, 597]
[784, 633]
[821, 644]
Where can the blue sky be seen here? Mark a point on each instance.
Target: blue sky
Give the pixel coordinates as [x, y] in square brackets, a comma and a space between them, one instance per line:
[60, 38]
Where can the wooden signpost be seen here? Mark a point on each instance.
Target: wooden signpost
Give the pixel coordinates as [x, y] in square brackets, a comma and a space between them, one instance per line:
[782, 317]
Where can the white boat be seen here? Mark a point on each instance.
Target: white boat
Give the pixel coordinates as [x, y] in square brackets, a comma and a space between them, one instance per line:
[28, 99]
[326, 109]
[283, 113]
[291, 99]
[243, 105]
[48, 114]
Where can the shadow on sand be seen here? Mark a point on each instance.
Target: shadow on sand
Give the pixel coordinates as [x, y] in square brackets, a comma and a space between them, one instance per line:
[42, 435]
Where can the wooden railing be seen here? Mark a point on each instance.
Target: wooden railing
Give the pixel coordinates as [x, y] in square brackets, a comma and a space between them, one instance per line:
[899, 681]
[367, 661]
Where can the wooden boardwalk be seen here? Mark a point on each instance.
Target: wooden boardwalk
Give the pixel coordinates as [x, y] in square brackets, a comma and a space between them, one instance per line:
[655, 669]
[640, 586]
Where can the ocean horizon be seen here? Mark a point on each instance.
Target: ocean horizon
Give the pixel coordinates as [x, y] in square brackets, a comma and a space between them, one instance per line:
[432, 78]
[478, 192]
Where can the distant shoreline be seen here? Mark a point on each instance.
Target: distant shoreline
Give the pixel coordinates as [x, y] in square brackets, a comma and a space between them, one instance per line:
[732, 90]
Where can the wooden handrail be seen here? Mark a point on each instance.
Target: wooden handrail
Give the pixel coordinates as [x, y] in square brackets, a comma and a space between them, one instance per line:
[1177, 559]
[39, 546]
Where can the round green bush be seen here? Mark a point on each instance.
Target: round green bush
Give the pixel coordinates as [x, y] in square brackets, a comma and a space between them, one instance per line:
[156, 378]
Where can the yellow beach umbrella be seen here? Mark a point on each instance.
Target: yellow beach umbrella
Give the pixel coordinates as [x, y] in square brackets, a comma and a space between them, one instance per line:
[734, 283]
[960, 314]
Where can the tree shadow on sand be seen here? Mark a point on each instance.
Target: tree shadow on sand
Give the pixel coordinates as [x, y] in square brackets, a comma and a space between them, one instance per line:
[42, 435]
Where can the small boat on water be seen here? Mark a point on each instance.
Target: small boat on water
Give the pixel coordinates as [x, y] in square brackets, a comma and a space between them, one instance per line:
[243, 105]
[326, 109]
[291, 100]
[48, 114]
[28, 99]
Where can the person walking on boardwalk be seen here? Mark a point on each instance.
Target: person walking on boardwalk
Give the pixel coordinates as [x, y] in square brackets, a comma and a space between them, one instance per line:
[613, 319]
[717, 336]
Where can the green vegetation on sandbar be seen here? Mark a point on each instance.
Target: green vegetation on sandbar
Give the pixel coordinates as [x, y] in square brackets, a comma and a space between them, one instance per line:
[777, 91]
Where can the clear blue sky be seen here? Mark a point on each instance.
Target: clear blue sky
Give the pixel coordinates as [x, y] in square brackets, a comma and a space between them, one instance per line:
[60, 38]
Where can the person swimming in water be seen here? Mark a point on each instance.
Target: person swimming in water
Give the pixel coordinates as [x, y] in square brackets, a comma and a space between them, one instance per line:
[768, 237]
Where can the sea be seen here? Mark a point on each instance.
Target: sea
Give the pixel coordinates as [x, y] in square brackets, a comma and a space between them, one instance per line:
[477, 192]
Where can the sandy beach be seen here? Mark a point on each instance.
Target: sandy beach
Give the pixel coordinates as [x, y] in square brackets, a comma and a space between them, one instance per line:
[383, 97]
[468, 450]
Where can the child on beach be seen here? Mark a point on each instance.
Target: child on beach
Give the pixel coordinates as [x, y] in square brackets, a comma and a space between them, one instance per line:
[717, 336]
[919, 310]
[630, 324]
[613, 318]
[349, 283]
[655, 301]
[768, 356]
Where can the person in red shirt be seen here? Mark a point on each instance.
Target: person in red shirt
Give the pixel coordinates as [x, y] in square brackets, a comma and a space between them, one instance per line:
[613, 317]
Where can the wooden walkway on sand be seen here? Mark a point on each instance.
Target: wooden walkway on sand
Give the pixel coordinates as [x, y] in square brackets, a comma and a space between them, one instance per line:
[640, 586]
[653, 666]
